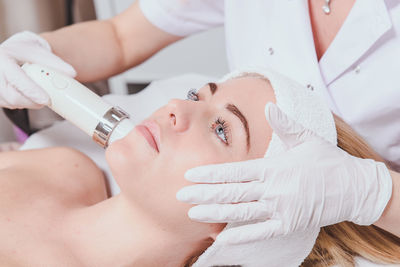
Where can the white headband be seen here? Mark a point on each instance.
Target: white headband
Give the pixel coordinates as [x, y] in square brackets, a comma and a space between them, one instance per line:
[308, 108]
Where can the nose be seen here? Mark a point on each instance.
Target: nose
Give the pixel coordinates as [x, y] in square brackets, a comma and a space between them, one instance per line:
[180, 112]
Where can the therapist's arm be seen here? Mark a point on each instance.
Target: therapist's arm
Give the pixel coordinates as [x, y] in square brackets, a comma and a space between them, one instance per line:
[100, 49]
[390, 219]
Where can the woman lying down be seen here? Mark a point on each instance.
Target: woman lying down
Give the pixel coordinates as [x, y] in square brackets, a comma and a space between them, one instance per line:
[54, 209]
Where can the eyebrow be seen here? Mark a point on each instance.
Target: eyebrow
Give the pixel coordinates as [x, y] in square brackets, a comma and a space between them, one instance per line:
[213, 88]
[235, 111]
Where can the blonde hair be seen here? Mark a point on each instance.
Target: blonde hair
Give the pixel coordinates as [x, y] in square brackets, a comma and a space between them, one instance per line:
[340, 243]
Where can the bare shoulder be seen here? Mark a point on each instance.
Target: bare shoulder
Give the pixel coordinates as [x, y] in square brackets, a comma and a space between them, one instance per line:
[13, 158]
[60, 170]
[37, 189]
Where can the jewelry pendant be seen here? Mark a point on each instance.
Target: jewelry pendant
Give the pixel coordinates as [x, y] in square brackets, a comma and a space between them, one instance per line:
[326, 8]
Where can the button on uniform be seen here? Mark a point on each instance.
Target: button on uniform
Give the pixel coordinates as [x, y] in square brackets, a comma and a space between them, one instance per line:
[357, 69]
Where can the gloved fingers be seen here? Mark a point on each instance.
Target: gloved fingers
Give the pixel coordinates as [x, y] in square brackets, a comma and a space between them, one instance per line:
[29, 47]
[232, 172]
[5, 104]
[18, 84]
[221, 193]
[46, 59]
[14, 99]
[289, 131]
[9, 95]
[24, 38]
[251, 232]
[56, 63]
[223, 213]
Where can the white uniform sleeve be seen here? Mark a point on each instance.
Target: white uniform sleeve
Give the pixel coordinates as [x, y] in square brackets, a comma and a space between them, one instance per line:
[184, 17]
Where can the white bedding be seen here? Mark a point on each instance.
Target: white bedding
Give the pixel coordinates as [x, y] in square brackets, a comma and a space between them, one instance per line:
[139, 106]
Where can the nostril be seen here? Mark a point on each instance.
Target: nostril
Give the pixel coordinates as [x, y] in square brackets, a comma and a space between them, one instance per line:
[173, 119]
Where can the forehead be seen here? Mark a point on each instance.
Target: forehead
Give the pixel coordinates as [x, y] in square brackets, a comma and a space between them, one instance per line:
[249, 94]
[246, 88]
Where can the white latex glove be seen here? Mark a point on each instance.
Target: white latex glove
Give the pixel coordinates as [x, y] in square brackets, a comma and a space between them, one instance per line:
[16, 89]
[310, 185]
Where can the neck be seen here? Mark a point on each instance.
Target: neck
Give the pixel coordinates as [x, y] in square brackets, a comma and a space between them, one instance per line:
[113, 233]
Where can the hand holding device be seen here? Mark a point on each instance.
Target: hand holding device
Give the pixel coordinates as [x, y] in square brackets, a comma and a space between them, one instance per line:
[312, 184]
[16, 89]
[77, 104]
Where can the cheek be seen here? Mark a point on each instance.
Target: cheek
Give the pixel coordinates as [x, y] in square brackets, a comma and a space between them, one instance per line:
[155, 185]
[130, 160]
[152, 182]
[185, 156]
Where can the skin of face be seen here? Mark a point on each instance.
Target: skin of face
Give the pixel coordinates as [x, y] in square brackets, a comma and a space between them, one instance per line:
[150, 179]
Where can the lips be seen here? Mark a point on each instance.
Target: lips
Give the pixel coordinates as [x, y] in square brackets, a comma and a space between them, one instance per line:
[151, 132]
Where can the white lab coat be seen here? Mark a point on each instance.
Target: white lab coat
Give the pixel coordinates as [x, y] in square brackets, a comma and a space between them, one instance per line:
[359, 74]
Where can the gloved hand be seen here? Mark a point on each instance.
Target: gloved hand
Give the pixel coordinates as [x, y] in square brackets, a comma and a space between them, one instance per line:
[310, 185]
[16, 89]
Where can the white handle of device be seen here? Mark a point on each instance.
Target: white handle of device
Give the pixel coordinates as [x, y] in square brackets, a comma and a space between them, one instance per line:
[77, 104]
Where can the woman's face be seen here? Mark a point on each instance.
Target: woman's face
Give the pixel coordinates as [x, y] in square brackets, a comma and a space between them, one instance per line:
[226, 124]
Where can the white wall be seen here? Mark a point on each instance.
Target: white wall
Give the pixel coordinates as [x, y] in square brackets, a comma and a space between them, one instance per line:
[37, 16]
[33, 15]
[202, 53]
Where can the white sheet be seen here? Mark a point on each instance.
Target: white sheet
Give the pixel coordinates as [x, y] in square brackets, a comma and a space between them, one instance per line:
[139, 106]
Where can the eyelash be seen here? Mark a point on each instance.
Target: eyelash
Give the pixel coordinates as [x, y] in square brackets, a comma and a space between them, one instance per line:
[193, 96]
[225, 127]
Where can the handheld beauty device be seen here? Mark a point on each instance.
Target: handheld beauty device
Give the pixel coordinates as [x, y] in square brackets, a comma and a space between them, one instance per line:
[77, 104]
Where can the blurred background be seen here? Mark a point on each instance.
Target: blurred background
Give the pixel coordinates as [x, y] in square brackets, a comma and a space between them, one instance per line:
[37, 16]
[42, 15]
[193, 54]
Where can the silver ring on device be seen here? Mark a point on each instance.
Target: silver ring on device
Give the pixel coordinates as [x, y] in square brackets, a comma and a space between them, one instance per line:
[105, 127]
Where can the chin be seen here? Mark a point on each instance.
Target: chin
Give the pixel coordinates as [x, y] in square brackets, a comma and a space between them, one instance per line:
[129, 156]
[117, 151]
